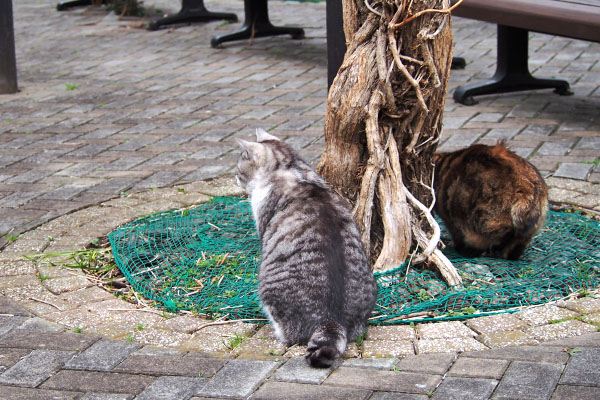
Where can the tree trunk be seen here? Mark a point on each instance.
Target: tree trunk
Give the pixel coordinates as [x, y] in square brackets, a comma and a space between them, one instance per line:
[384, 118]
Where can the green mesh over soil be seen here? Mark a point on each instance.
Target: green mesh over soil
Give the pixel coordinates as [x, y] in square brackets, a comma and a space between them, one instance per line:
[205, 260]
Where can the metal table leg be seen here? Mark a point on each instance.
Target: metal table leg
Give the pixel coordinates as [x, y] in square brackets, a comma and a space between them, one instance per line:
[191, 11]
[512, 72]
[8, 61]
[257, 24]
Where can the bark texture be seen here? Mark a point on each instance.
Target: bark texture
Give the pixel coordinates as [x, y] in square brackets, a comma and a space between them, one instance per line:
[384, 118]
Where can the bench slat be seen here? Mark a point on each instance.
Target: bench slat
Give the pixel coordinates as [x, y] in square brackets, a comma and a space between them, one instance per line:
[562, 18]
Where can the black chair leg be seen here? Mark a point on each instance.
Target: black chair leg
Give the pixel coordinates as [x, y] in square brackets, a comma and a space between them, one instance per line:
[458, 63]
[512, 71]
[65, 4]
[257, 24]
[191, 11]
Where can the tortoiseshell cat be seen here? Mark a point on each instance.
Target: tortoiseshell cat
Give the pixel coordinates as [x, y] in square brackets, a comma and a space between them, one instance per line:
[314, 281]
[491, 200]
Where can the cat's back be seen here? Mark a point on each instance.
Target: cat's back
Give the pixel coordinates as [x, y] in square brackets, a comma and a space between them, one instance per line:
[482, 172]
[489, 197]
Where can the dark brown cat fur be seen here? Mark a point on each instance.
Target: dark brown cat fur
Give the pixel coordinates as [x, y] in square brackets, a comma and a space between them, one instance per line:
[491, 200]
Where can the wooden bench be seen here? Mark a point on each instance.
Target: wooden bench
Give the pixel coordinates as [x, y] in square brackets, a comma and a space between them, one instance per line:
[577, 19]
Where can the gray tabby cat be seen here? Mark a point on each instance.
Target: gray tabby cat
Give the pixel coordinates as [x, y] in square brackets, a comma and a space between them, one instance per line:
[314, 281]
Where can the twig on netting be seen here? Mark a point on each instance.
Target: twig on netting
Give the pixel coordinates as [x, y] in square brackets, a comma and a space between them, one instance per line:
[429, 10]
[222, 261]
[408, 264]
[138, 299]
[214, 226]
[482, 281]
[148, 269]
[232, 321]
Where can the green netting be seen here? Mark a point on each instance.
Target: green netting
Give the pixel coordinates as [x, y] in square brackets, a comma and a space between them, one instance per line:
[204, 259]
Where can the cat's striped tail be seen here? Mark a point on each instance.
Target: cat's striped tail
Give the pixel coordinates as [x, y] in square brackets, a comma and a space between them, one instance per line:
[327, 344]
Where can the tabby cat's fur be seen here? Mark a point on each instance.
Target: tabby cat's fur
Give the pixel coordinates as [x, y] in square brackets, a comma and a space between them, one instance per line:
[491, 200]
[314, 281]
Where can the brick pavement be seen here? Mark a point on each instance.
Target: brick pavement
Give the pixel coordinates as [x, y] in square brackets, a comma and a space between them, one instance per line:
[108, 112]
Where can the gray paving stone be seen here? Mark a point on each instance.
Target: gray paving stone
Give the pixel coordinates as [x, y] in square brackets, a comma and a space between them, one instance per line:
[554, 149]
[31, 176]
[66, 192]
[466, 367]
[527, 380]
[568, 392]
[90, 149]
[587, 340]
[374, 363]
[397, 396]
[501, 133]
[78, 170]
[35, 368]
[239, 378]
[113, 185]
[172, 388]
[488, 117]
[205, 172]
[297, 370]
[13, 392]
[98, 382]
[589, 143]
[102, 355]
[384, 380]
[167, 158]
[211, 152]
[541, 130]
[573, 170]
[583, 368]
[47, 340]
[293, 391]
[8, 323]
[9, 357]
[159, 179]
[436, 363]
[461, 140]
[10, 307]
[545, 354]
[17, 199]
[40, 325]
[453, 388]
[171, 364]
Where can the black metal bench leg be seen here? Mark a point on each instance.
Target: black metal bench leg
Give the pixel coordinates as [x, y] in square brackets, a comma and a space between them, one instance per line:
[512, 72]
[191, 11]
[458, 63]
[64, 4]
[257, 24]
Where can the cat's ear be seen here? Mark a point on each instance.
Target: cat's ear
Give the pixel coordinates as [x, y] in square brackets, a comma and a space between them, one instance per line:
[262, 135]
[254, 149]
[244, 144]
